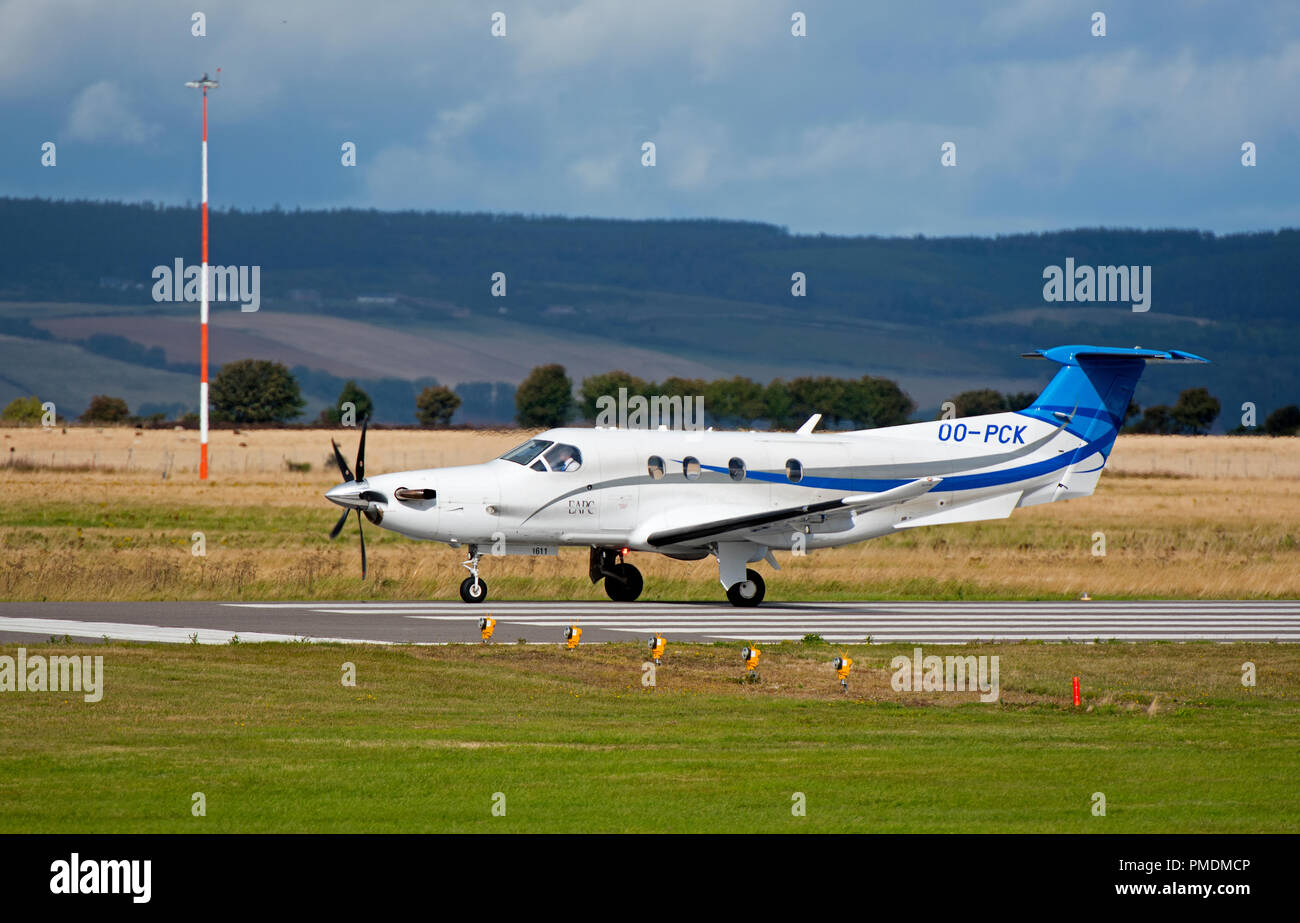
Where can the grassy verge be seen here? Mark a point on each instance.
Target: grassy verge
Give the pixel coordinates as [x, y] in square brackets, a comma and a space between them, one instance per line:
[1163, 537]
[275, 742]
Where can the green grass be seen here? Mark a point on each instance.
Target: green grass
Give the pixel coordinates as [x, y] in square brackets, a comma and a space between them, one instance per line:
[428, 735]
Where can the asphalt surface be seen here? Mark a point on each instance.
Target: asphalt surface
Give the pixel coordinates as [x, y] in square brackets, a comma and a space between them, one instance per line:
[544, 622]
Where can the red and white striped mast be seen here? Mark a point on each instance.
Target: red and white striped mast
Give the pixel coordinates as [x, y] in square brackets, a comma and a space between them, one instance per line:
[204, 83]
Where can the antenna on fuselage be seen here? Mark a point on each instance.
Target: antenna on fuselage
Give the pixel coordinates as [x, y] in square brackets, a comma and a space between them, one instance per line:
[808, 425]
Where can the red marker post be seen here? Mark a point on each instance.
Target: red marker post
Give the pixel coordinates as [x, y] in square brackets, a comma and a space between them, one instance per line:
[204, 83]
[1076, 692]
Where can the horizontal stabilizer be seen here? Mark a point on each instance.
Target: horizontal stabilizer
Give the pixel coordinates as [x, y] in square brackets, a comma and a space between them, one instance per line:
[1072, 355]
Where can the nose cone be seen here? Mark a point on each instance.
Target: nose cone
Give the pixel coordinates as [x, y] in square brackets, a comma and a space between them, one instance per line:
[355, 495]
[347, 495]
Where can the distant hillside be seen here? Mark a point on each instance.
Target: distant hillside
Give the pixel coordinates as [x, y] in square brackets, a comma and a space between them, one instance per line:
[658, 298]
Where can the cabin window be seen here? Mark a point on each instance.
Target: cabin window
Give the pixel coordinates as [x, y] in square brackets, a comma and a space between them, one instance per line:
[523, 454]
[691, 468]
[736, 468]
[793, 470]
[655, 466]
[563, 457]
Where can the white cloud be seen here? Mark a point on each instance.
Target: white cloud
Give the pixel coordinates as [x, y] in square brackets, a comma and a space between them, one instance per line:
[708, 37]
[101, 112]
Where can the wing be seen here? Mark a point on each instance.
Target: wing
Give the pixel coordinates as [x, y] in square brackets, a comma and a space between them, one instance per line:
[719, 528]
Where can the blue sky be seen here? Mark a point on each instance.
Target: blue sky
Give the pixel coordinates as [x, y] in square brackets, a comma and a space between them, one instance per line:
[837, 132]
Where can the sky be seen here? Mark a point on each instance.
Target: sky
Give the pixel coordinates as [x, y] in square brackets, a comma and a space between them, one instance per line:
[836, 132]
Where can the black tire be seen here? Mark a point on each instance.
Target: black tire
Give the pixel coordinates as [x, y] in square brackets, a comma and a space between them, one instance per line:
[749, 592]
[468, 590]
[625, 584]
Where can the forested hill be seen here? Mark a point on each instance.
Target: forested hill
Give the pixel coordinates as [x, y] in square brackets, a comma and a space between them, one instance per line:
[62, 250]
[940, 309]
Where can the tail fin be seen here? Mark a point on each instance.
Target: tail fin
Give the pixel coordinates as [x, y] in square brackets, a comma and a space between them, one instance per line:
[1093, 387]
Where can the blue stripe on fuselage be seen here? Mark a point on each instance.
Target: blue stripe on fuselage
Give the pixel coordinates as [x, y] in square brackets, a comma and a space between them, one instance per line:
[950, 482]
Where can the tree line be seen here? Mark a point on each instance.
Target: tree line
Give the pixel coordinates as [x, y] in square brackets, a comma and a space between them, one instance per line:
[546, 398]
[251, 391]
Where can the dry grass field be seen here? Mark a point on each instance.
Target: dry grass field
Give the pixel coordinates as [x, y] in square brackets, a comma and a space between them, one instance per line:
[110, 513]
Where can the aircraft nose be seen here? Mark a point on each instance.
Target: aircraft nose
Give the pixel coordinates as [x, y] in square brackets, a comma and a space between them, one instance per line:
[347, 495]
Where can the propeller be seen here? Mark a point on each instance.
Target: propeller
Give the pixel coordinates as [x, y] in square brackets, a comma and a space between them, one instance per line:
[365, 494]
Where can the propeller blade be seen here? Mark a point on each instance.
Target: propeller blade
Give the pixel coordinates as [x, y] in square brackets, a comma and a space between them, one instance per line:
[362, 533]
[338, 526]
[343, 466]
[361, 452]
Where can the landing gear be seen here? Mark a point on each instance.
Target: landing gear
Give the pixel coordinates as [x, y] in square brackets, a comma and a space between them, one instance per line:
[748, 592]
[623, 584]
[472, 589]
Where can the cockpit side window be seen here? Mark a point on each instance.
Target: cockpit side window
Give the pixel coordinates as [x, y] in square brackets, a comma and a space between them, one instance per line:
[522, 455]
[563, 457]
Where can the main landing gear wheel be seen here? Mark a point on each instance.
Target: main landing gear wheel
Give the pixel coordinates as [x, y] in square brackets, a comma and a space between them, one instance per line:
[624, 584]
[473, 590]
[748, 592]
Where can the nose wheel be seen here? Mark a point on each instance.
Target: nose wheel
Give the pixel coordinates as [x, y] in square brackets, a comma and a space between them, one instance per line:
[473, 589]
[623, 583]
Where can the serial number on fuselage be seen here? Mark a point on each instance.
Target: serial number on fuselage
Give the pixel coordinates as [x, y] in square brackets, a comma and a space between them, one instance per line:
[1005, 433]
[582, 507]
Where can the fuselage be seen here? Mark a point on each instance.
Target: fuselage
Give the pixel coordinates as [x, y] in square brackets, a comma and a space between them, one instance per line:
[629, 484]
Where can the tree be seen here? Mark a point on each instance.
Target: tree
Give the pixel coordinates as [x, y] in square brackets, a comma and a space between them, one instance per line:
[777, 404]
[351, 392]
[105, 409]
[1157, 418]
[1285, 421]
[816, 395]
[545, 397]
[681, 387]
[1195, 411]
[255, 391]
[979, 402]
[1019, 400]
[734, 401]
[23, 410]
[870, 402]
[607, 384]
[435, 405]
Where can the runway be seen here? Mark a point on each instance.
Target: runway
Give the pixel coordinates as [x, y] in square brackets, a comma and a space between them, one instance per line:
[544, 622]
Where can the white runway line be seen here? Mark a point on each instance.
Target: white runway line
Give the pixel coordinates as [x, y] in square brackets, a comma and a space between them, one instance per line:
[129, 631]
[836, 622]
[799, 606]
[840, 622]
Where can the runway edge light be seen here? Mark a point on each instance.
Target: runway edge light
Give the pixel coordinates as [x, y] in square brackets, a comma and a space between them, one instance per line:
[572, 637]
[657, 645]
[843, 664]
[486, 626]
[1075, 685]
[751, 654]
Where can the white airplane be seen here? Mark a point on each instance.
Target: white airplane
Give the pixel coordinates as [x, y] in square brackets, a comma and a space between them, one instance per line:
[739, 496]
